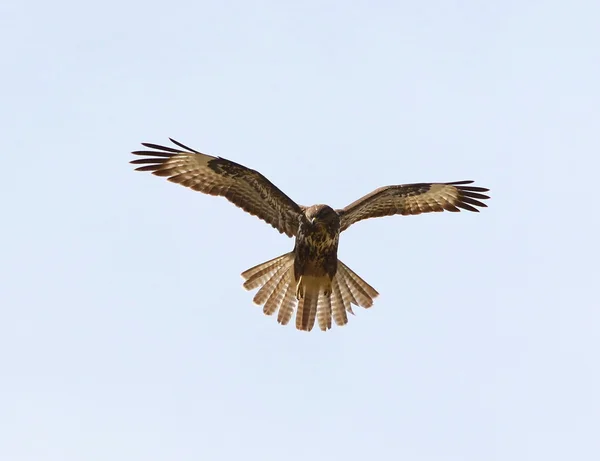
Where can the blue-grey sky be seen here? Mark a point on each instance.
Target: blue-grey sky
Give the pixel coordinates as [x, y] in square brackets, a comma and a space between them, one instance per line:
[125, 331]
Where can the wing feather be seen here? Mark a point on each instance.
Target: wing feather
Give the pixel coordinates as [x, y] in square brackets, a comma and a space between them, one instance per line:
[246, 188]
[413, 199]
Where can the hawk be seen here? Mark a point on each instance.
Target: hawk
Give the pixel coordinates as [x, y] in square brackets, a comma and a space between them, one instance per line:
[311, 276]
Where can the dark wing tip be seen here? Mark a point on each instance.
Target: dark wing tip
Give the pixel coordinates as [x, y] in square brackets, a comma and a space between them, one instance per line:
[458, 183]
[475, 189]
[164, 151]
[147, 168]
[471, 188]
[158, 147]
[183, 146]
[470, 197]
[154, 159]
[466, 206]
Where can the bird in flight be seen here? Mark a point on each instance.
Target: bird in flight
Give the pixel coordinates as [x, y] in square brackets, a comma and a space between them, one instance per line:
[311, 276]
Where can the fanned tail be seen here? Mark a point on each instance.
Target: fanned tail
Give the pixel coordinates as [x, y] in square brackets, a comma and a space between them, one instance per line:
[277, 286]
[362, 293]
[347, 289]
[324, 311]
[259, 274]
[309, 290]
[319, 298]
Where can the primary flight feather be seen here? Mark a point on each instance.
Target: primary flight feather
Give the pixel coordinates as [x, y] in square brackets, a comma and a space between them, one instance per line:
[310, 279]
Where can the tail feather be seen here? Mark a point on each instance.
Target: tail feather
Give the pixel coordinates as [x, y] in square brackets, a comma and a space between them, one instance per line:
[307, 305]
[286, 309]
[353, 292]
[338, 305]
[277, 296]
[347, 295]
[324, 311]
[259, 274]
[270, 285]
[279, 291]
[361, 290]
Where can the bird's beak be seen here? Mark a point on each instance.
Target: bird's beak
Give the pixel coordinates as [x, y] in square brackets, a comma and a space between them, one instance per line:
[312, 220]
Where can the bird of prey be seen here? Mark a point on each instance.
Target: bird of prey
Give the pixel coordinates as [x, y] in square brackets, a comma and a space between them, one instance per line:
[311, 276]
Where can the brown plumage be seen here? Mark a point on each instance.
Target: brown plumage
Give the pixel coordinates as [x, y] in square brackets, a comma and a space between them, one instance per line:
[310, 278]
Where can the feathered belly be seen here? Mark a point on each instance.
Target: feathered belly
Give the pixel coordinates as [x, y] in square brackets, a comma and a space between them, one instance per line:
[315, 266]
[316, 255]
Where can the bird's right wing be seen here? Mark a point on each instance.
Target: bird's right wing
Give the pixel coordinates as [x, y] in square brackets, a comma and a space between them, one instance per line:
[246, 188]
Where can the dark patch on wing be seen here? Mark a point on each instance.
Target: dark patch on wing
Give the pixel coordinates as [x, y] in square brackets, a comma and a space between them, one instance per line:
[413, 199]
[246, 188]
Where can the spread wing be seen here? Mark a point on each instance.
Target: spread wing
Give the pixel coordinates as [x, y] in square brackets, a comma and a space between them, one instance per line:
[408, 199]
[246, 188]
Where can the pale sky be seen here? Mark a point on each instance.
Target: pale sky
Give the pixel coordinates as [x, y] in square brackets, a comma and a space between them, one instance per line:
[126, 333]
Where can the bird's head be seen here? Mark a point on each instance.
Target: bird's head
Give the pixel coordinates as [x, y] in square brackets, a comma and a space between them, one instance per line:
[322, 214]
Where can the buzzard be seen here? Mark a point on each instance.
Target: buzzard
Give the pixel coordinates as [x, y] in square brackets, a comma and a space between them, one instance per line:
[310, 276]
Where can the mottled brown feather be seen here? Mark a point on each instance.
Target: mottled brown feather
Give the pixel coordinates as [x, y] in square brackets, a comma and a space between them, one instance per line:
[276, 297]
[362, 292]
[324, 311]
[307, 305]
[413, 199]
[279, 279]
[338, 305]
[259, 274]
[246, 188]
[269, 287]
[286, 309]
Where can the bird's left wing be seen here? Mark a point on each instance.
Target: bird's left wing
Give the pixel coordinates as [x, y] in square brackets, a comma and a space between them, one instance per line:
[246, 188]
[409, 199]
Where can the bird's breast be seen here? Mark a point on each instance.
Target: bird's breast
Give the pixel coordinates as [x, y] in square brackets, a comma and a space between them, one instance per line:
[316, 252]
[321, 239]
